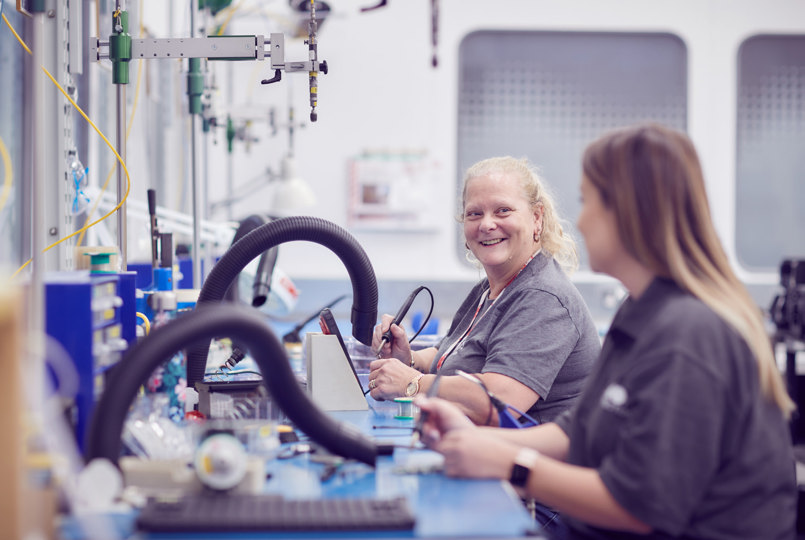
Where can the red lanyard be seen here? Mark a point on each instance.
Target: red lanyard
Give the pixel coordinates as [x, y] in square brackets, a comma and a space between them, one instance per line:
[473, 322]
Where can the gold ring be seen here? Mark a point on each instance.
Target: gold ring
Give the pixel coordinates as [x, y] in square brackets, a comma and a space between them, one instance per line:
[372, 384]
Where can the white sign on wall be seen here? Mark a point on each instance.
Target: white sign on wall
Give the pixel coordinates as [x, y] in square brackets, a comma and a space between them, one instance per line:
[393, 191]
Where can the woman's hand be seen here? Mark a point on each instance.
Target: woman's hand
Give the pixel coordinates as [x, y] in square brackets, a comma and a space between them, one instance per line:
[476, 453]
[388, 378]
[399, 347]
[441, 417]
[468, 451]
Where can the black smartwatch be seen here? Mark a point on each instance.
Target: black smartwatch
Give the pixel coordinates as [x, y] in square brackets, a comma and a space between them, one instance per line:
[523, 461]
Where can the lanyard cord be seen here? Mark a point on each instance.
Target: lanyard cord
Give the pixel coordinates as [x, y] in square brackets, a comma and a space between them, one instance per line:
[469, 328]
[474, 322]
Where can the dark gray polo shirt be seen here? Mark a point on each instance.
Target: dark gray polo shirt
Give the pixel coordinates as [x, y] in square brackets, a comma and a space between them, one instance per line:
[539, 332]
[675, 423]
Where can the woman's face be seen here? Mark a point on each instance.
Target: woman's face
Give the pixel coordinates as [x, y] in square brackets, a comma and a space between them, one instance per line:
[597, 225]
[499, 224]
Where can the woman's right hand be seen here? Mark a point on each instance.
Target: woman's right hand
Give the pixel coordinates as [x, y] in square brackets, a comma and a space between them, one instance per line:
[469, 452]
[399, 347]
[442, 418]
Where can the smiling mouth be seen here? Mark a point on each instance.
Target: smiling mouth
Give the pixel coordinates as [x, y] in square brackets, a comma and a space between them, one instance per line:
[491, 242]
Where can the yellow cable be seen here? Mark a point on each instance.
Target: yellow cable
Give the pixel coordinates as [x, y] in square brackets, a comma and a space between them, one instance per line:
[8, 176]
[232, 11]
[120, 160]
[128, 132]
[146, 322]
[16, 35]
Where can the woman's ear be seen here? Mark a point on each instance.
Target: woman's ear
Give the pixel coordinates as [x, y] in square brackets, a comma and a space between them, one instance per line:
[539, 211]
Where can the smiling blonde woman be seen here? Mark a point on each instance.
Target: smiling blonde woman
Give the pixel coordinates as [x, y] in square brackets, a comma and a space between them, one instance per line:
[524, 329]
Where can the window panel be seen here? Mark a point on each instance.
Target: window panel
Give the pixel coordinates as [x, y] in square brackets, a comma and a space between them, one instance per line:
[770, 154]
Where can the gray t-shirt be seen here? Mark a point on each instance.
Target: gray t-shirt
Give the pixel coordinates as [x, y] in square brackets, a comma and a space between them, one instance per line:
[539, 332]
[674, 421]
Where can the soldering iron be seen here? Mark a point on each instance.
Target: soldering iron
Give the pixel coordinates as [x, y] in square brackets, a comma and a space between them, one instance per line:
[398, 318]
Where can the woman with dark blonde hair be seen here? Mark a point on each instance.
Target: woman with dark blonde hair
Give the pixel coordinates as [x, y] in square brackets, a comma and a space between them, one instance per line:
[681, 429]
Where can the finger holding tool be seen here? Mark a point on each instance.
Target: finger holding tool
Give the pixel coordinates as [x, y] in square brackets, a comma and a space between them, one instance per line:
[432, 392]
[397, 346]
[438, 417]
[398, 318]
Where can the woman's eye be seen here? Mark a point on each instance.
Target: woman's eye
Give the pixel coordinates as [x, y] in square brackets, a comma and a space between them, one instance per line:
[472, 214]
[504, 211]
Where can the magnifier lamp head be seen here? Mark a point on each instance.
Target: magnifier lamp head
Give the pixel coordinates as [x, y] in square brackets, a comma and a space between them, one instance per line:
[291, 193]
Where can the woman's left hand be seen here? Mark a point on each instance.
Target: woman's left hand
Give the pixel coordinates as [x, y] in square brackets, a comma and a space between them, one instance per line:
[388, 378]
[476, 453]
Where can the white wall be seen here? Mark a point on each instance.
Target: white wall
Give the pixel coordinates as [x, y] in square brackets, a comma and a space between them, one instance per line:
[382, 93]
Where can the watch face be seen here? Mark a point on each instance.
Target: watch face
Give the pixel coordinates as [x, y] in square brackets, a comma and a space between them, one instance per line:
[411, 389]
[519, 475]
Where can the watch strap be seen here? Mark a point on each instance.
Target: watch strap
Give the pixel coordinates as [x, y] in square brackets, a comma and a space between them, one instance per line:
[415, 384]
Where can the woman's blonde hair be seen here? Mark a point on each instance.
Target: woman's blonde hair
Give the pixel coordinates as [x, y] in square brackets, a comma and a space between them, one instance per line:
[554, 240]
[650, 176]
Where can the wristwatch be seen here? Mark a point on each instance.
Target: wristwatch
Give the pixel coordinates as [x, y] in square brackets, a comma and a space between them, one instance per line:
[521, 469]
[413, 387]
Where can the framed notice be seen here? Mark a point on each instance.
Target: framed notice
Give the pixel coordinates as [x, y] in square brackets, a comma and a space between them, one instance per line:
[393, 192]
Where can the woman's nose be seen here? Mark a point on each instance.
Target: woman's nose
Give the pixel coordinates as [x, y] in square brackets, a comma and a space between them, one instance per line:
[488, 222]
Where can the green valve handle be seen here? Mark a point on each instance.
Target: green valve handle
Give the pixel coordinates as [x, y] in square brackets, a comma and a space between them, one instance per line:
[195, 85]
[120, 47]
[230, 133]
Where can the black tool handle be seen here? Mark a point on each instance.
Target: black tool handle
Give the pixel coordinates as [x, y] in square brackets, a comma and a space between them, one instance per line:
[152, 202]
[293, 336]
[398, 318]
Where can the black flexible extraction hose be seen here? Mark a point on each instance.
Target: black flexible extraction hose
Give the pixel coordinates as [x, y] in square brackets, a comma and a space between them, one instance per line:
[104, 439]
[261, 285]
[320, 231]
[265, 268]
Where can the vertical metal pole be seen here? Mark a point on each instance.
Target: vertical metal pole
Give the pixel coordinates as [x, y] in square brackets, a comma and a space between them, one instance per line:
[230, 186]
[36, 320]
[194, 173]
[82, 81]
[121, 175]
[205, 130]
[230, 160]
[120, 50]
[205, 207]
[195, 195]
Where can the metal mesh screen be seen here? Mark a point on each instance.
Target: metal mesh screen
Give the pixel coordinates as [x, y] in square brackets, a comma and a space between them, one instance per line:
[770, 157]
